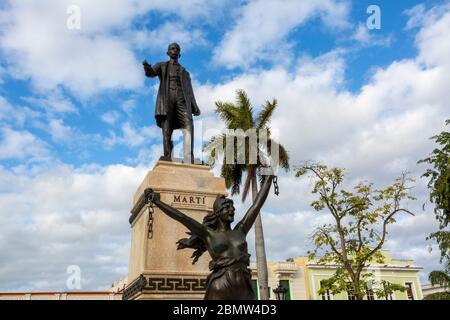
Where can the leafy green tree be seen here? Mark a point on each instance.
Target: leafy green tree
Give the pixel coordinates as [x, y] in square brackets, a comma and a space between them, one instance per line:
[240, 117]
[358, 232]
[439, 184]
[441, 278]
[386, 289]
[438, 296]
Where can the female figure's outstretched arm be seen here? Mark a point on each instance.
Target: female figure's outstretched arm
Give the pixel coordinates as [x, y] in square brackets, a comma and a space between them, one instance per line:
[195, 227]
[247, 222]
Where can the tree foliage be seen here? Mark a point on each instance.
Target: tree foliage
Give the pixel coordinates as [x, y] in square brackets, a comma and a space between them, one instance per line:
[438, 296]
[240, 116]
[358, 232]
[441, 278]
[439, 185]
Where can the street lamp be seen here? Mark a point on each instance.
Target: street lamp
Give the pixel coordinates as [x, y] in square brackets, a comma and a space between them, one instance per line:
[280, 292]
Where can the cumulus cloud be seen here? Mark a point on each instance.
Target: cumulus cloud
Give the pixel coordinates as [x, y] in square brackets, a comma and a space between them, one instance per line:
[368, 38]
[84, 62]
[65, 216]
[53, 104]
[167, 33]
[14, 115]
[261, 29]
[2, 73]
[110, 117]
[22, 145]
[133, 137]
[96, 57]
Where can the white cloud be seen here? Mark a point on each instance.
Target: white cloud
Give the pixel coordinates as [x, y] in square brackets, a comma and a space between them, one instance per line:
[38, 45]
[5, 109]
[22, 145]
[2, 73]
[132, 137]
[159, 39]
[15, 115]
[65, 216]
[369, 38]
[83, 61]
[53, 103]
[129, 105]
[110, 117]
[60, 132]
[262, 27]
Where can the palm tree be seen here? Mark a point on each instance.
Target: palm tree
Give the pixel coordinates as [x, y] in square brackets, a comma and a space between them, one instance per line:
[240, 116]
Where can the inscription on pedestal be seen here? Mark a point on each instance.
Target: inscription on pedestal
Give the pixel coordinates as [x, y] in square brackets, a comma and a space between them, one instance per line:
[189, 199]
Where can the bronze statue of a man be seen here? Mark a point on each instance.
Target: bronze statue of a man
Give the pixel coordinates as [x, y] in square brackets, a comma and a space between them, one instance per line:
[175, 103]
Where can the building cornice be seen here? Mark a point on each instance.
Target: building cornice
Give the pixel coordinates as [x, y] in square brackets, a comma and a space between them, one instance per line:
[386, 268]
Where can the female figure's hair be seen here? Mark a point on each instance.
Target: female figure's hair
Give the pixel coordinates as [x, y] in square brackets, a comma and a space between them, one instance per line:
[210, 221]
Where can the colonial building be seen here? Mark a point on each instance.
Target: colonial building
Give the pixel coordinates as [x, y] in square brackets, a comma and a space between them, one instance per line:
[302, 277]
[428, 289]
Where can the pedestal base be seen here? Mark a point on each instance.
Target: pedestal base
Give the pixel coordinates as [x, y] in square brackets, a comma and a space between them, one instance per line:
[157, 270]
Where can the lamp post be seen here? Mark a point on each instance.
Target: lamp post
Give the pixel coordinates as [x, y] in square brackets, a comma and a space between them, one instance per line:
[280, 292]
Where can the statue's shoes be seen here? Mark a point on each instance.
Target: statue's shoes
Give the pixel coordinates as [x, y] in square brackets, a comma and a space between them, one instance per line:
[165, 158]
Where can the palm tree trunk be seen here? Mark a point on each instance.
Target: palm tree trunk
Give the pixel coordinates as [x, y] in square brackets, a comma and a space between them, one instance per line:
[260, 248]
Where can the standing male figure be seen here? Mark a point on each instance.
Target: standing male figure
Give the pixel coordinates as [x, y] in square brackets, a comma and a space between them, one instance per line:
[175, 103]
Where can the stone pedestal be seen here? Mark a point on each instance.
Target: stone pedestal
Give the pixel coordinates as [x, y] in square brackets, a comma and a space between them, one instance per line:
[157, 270]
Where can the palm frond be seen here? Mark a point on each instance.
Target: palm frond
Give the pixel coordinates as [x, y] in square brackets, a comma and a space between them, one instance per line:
[232, 173]
[283, 156]
[266, 113]
[228, 112]
[214, 148]
[245, 111]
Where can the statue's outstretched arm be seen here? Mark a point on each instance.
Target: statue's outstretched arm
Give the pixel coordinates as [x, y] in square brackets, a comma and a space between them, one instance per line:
[195, 227]
[151, 71]
[247, 222]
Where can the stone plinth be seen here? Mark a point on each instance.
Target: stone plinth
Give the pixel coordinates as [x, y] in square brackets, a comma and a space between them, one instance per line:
[157, 270]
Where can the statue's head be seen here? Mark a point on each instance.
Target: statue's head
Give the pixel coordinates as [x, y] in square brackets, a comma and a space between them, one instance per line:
[224, 209]
[174, 50]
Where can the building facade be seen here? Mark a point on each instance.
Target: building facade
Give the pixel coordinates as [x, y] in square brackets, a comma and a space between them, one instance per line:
[302, 277]
[429, 289]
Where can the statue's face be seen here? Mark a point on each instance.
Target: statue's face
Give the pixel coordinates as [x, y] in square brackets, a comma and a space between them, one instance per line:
[227, 212]
[173, 51]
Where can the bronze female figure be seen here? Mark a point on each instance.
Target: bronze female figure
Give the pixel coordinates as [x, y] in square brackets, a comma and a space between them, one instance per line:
[230, 277]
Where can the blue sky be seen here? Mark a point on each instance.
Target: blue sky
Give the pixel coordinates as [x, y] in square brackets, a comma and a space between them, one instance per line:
[311, 38]
[76, 112]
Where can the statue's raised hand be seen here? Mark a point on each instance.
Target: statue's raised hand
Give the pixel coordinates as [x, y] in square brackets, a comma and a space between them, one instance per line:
[146, 65]
[152, 195]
